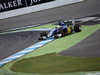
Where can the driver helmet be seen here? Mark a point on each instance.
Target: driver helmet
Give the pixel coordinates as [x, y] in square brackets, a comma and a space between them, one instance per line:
[56, 27]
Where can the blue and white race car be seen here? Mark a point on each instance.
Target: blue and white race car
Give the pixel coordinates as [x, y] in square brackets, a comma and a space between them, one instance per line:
[61, 31]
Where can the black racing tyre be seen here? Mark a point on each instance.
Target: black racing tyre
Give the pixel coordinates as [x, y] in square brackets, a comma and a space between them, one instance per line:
[42, 34]
[62, 31]
[77, 28]
[55, 36]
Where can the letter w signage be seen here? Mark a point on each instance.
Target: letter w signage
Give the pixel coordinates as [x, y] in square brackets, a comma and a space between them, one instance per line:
[6, 5]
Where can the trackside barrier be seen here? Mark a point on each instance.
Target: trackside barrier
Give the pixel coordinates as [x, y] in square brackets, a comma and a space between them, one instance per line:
[6, 5]
[34, 8]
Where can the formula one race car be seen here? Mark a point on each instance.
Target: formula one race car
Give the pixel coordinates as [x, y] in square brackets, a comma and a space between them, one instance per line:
[63, 29]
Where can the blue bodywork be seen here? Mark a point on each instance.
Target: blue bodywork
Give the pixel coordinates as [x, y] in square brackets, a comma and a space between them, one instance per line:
[62, 25]
[63, 29]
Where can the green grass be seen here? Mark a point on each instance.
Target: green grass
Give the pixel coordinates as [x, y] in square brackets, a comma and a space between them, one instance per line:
[57, 45]
[55, 63]
[61, 44]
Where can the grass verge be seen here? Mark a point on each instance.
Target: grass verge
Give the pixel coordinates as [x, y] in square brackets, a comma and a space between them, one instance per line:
[57, 46]
[54, 63]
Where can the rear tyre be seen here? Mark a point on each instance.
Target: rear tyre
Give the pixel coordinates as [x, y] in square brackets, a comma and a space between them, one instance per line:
[62, 31]
[77, 28]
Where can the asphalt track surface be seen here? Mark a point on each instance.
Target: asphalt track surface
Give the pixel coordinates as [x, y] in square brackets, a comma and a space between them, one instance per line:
[15, 42]
[89, 47]
[92, 22]
[77, 10]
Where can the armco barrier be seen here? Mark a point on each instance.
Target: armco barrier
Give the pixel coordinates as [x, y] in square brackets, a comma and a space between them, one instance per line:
[35, 8]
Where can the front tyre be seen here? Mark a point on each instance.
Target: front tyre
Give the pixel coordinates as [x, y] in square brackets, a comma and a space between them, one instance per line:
[57, 35]
[43, 36]
[77, 28]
